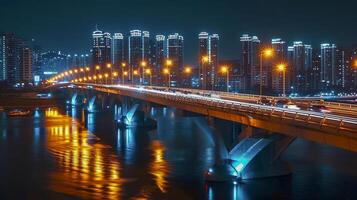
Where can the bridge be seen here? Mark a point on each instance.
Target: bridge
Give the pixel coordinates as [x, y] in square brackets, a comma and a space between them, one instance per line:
[336, 129]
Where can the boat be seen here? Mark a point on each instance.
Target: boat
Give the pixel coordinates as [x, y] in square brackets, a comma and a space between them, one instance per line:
[18, 113]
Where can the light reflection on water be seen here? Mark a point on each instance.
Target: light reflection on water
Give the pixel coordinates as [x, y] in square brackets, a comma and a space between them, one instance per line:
[86, 168]
[85, 155]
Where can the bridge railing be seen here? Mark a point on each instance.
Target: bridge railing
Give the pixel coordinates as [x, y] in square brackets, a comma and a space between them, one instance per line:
[316, 120]
[307, 119]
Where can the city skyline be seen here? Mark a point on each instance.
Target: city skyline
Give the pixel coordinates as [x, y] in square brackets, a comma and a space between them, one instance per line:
[264, 19]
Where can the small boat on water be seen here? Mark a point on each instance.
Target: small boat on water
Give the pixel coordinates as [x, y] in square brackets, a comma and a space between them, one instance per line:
[18, 113]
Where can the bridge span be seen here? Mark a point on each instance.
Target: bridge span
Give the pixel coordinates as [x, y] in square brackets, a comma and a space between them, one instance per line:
[328, 128]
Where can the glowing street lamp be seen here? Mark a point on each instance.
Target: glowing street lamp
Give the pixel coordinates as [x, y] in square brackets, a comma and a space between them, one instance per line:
[204, 61]
[124, 73]
[282, 68]
[143, 65]
[225, 70]
[106, 78]
[148, 71]
[264, 53]
[167, 71]
[188, 70]
[168, 62]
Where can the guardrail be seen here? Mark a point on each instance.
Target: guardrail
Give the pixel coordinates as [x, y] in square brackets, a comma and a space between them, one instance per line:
[309, 119]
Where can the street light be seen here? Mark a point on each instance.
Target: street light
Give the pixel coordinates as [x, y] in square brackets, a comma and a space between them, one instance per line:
[282, 68]
[204, 60]
[106, 78]
[188, 71]
[265, 53]
[114, 74]
[148, 71]
[123, 65]
[124, 73]
[167, 71]
[143, 65]
[225, 70]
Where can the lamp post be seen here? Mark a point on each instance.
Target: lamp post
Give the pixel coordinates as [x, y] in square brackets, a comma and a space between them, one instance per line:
[97, 68]
[282, 68]
[124, 73]
[167, 71]
[148, 71]
[135, 73]
[123, 64]
[106, 78]
[225, 70]
[143, 65]
[114, 75]
[109, 66]
[204, 61]
[188, 71]
[266, 53]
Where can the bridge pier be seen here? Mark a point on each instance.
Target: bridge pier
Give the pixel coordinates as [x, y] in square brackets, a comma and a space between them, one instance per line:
[254, 154]
[135, 114]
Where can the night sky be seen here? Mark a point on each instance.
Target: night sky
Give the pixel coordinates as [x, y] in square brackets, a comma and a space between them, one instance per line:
[66, 25]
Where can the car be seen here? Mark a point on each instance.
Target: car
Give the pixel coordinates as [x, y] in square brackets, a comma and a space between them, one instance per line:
[286, 103]
[319, 108]
[265, 101]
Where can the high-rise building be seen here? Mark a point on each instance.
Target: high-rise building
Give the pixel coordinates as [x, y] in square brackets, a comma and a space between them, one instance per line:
[138, 51]
[175, 54]
[159, 61]
[208, 59]
[328, 66]
[300, 62]
[101, 48]
[118, 49]
[16, 59]
[280, 55]
[249, 75]
[26, 65]
[341, 69]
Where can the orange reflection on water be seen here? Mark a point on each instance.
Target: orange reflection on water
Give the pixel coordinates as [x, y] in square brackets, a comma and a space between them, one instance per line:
[85, 168]
[159, 167]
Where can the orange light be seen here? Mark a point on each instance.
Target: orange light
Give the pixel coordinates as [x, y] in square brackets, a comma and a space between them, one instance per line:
[89, 78]
[166, 71]
[168, 62]
[87, 69]
[70, 71]
[224, 69]
[205, 59]
[148, 71]
[281, 67]
[95, 77]
[115, 74]
[106, 75]
[75, 71]
[81, 69]
[109, 65]
[97, 67]
[268, 52]
[123, 64]
[136, 72]
[188, 70]
[143, 64]
[125, 73]
[100, 76]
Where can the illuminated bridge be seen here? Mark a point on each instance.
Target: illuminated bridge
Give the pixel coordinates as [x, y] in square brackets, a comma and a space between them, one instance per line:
[252, 149]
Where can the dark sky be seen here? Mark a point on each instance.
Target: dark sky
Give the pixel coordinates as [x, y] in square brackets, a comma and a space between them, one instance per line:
[66, 25]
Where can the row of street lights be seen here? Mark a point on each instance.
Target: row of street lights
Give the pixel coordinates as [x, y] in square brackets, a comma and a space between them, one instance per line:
[266, 53]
